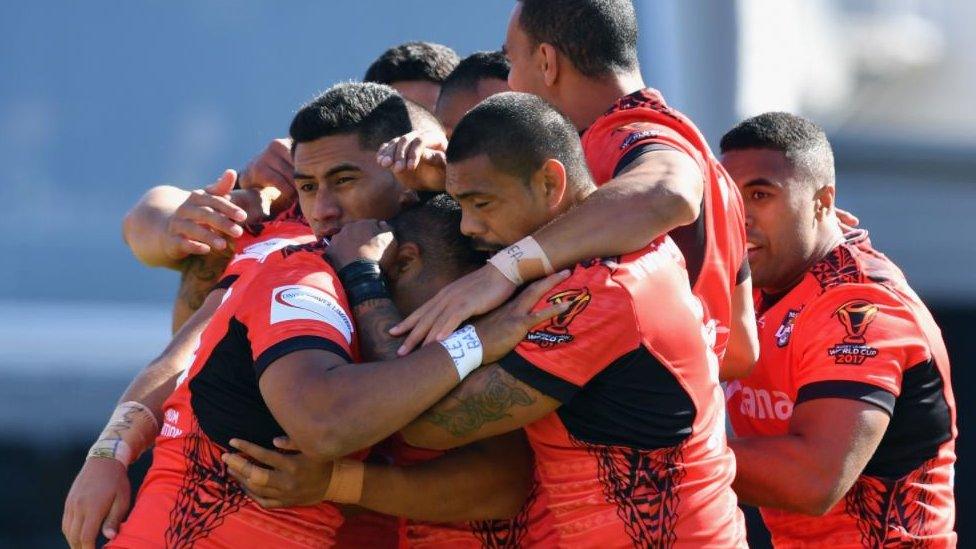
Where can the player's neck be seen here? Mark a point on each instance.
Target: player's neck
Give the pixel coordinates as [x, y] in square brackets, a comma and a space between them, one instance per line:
[829, 236]
[590, 98]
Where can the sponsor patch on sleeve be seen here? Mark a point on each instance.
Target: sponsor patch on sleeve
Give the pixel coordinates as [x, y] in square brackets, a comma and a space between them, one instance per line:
[299, 302]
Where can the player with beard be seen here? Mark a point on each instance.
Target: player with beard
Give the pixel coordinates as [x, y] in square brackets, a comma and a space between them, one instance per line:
[655, 171]
[846, 428]
[621, 403]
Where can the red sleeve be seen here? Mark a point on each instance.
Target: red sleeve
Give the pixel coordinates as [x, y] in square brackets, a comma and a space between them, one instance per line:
[620, 140]
[261, 240]
[561, 355]
[296, 304]
[854, 340]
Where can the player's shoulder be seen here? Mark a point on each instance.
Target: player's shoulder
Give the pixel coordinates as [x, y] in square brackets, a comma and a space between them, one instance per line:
[855, 305]
[296, 264]
[854, 261]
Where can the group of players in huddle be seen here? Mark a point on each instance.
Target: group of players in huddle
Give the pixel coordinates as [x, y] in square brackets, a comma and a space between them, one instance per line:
[446, 314]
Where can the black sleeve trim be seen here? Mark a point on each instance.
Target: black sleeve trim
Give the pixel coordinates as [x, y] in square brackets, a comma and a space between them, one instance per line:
[637, 152]
[852, 390]
[226, 282]
[537, 378]
[297, 343]
[744, 271]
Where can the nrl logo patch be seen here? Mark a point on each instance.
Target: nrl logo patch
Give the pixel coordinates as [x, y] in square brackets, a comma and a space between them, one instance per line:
[855, 316]
[785, 329]
[557, 331]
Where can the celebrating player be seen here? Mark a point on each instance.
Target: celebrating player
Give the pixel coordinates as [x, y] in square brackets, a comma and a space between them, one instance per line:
[621, 402]
[100, 493]
[654, 168]
[846, 427]
[477, 77]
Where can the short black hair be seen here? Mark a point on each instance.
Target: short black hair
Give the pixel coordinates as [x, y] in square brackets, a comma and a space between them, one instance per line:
[519, 132]
[435, 226]
[598, 36]
[474, 68]
[413, 61]
[374, 112]
[803, 142]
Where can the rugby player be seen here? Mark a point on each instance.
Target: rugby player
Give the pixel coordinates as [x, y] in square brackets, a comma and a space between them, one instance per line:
[100, 493]
[477, 77]
[169, 225]
[415, 69]
[486, 480]
[286, 324]
[846, 427]
[621, 403]
[655, 171]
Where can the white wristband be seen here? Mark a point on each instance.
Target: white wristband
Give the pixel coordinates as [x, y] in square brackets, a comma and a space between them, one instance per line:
[526, 254]
[465, 349]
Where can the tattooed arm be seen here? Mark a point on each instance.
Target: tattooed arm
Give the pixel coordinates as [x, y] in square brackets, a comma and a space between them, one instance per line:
[200, 273]
[489, 402]
[374, 318]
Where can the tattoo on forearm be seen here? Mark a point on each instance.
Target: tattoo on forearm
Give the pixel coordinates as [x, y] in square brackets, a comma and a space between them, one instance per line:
[487, 399]
[374, 318]
[199, 276]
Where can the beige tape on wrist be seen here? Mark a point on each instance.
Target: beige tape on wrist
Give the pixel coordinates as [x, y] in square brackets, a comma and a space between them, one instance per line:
[522, 261]
[129, 432]
[346, 485]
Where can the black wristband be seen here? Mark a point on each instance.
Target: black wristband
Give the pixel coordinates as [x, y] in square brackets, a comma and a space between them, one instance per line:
[363, 280]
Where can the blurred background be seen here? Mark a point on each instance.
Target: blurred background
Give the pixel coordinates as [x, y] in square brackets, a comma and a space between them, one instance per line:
[101, 100]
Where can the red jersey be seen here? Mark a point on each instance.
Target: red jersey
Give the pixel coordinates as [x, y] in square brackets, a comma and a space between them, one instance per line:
[292, 302]
[852, 328]
[264, 238]
[636, 455]
[533, 526]
[714, 245]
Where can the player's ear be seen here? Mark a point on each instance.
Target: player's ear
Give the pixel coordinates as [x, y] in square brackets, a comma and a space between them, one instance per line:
[409, 264]
[824, 201]
[552, 176]
[549, 61]
[407, 197]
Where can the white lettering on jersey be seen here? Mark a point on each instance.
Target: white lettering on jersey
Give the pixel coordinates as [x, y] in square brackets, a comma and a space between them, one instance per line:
[261, 250]
[170, 419]
[306, 303]
[760, 403]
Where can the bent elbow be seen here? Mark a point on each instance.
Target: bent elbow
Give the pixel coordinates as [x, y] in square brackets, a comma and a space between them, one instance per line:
[819, 501]
[326, 441]
[688, 208]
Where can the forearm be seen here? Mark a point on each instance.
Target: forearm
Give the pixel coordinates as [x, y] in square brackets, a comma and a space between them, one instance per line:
[743, 348]
[353, 406]
[481, 481]
[153, 385]
[144, 227]
[780, 472]
[624, 215]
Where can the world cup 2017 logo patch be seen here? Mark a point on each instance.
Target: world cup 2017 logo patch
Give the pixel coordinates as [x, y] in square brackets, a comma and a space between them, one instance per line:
[855, 316]
[557, 331]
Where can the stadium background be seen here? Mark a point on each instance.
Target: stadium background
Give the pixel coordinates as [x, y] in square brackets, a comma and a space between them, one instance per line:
[100, 100]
